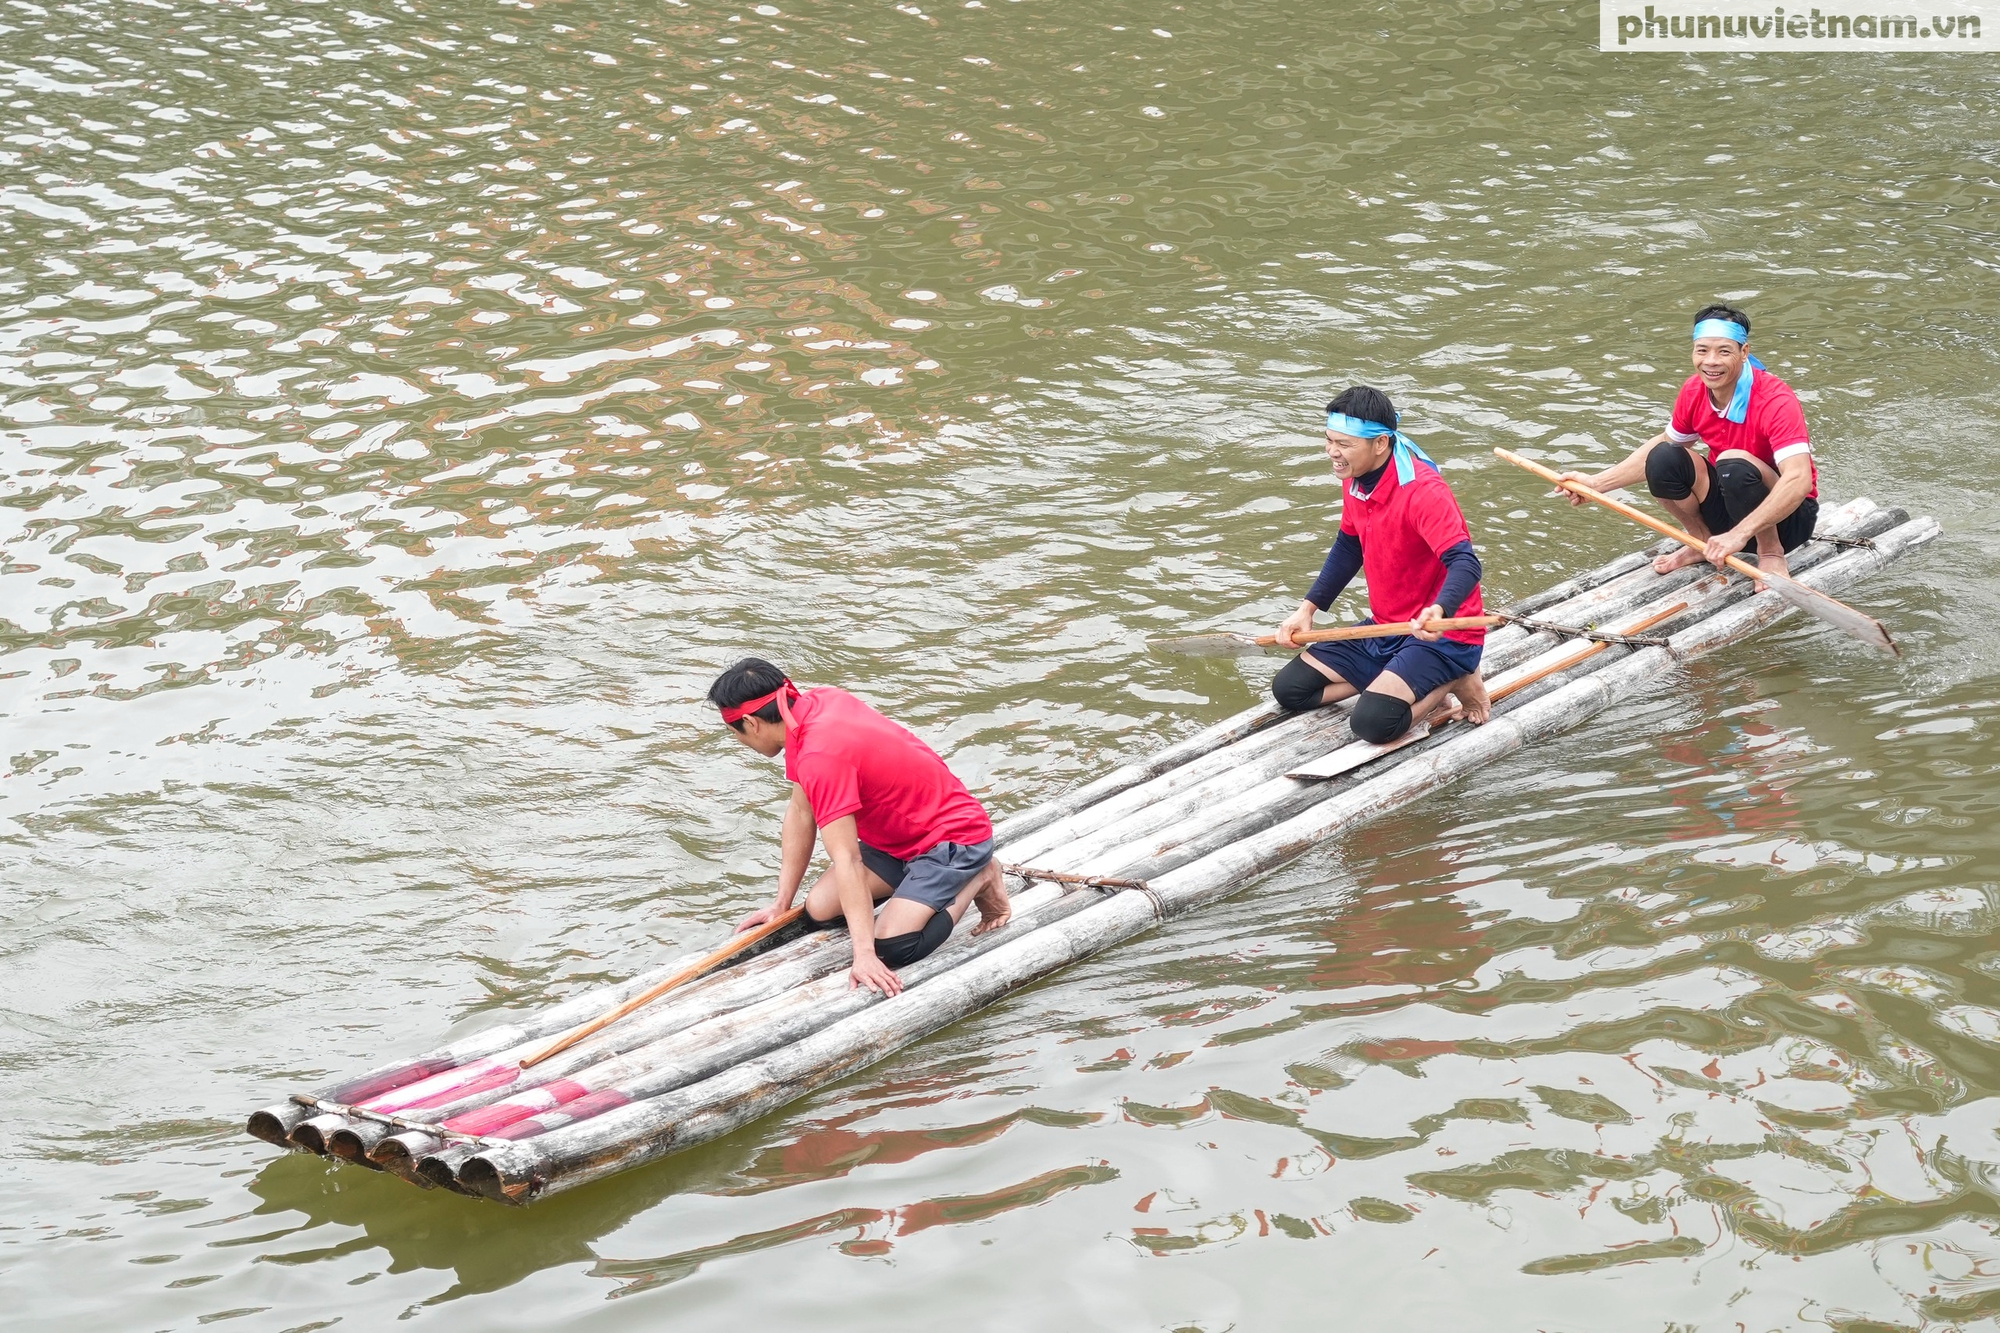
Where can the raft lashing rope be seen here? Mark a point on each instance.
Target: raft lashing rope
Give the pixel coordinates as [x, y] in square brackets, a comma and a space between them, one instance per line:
[1158, 838]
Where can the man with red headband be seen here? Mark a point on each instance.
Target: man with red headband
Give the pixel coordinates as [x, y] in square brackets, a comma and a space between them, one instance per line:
[898, 827]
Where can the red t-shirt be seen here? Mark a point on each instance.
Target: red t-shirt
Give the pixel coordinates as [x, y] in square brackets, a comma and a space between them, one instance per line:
[850, 760]
[1772, 430]
[1403, 530]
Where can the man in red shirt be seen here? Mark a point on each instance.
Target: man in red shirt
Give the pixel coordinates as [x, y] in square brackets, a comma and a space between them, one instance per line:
[1401, 525]
[895, 822]
[1757, 481]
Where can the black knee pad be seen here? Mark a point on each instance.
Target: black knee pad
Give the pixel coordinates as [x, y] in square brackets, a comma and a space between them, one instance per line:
[1742, 486]
[1379, 718]
[899, 951]
[1297, 687]
[1670, 471]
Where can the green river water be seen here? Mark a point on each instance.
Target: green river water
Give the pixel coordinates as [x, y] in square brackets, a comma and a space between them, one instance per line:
[407, 408]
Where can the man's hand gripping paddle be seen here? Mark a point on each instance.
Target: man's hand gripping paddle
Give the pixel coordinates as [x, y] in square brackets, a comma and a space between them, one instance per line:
[1839, 614]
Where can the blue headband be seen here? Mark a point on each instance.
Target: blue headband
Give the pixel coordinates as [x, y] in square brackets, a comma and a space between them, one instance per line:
[1406, 452]
[1721, 328]
[1739, 403]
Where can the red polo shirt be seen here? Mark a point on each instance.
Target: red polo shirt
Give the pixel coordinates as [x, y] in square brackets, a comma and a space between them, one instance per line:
[1772, 430]
[1403, 530]
[850, 760]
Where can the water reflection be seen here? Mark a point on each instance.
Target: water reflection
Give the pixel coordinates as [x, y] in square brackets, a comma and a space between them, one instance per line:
[875, 1231]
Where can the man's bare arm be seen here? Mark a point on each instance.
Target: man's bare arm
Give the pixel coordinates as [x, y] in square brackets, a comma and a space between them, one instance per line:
[843, 849]
[795, 845]
[1630, 470]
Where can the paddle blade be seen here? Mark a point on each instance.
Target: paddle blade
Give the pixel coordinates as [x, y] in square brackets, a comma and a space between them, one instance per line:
[1836, 613]
[1208, 645]
[1354, 754]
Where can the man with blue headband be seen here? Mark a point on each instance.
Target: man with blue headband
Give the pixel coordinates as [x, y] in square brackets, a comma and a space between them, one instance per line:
[1401, 525]
[1756, 483]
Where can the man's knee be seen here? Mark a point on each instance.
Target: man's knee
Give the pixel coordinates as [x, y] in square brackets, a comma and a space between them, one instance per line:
[1742, 484]
[1298, 686]
[1379, 718]
[899, 951]
[1670, 471]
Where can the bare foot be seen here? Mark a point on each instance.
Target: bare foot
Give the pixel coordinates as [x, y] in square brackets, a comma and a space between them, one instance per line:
[994, 908]
[1773, 564]
[1475, 705]
[1678, 558]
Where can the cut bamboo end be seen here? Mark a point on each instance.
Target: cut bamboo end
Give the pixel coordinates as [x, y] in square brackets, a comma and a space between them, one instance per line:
[440, 1168]
[274, 1124]
[353, 1141]
[479, 1175]
[310, 1134]
[399, 1154]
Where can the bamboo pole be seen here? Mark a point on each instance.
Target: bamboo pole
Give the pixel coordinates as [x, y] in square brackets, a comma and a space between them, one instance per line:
[275, 1123]
[735, 946]
[1174, 842]
[1242, 724]
[400, 1152]
[1259, 754]
[718, 1046]
[1120, 792]
[1244, 813]
[446, 1093]
[637, 1044]
[638, 1132]
[352, 1142]
[501, 1076]
[415, 1139]
[311, 1134]
[1175, 804]
[1228, 642]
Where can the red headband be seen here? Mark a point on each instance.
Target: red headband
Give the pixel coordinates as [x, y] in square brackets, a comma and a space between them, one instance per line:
[784, 694]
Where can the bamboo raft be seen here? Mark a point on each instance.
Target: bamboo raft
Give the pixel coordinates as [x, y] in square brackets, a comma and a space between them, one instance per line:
[1170, 833]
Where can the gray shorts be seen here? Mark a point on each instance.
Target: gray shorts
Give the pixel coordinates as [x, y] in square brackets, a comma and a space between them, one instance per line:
[935, 878]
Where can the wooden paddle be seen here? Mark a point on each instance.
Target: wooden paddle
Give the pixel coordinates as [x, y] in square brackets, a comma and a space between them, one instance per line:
[1863, 627]
[736, 945]
[1225, 644]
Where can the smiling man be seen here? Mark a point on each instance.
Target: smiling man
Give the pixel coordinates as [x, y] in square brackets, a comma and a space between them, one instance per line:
[898, 826]
[1756, 482]
[1401, 526]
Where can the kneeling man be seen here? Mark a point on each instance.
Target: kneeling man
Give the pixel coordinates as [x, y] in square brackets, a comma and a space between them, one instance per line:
[1756, 481]
[896, 824]
[1399, 523]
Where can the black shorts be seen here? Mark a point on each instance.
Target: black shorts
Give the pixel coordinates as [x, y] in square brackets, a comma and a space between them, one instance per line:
[1729, 504]
[1423, 666]
[934, 877]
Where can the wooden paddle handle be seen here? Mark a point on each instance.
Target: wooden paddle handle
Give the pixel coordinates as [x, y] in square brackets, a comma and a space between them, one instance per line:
[1382, 631]
[1682, 536]
[685, 975]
